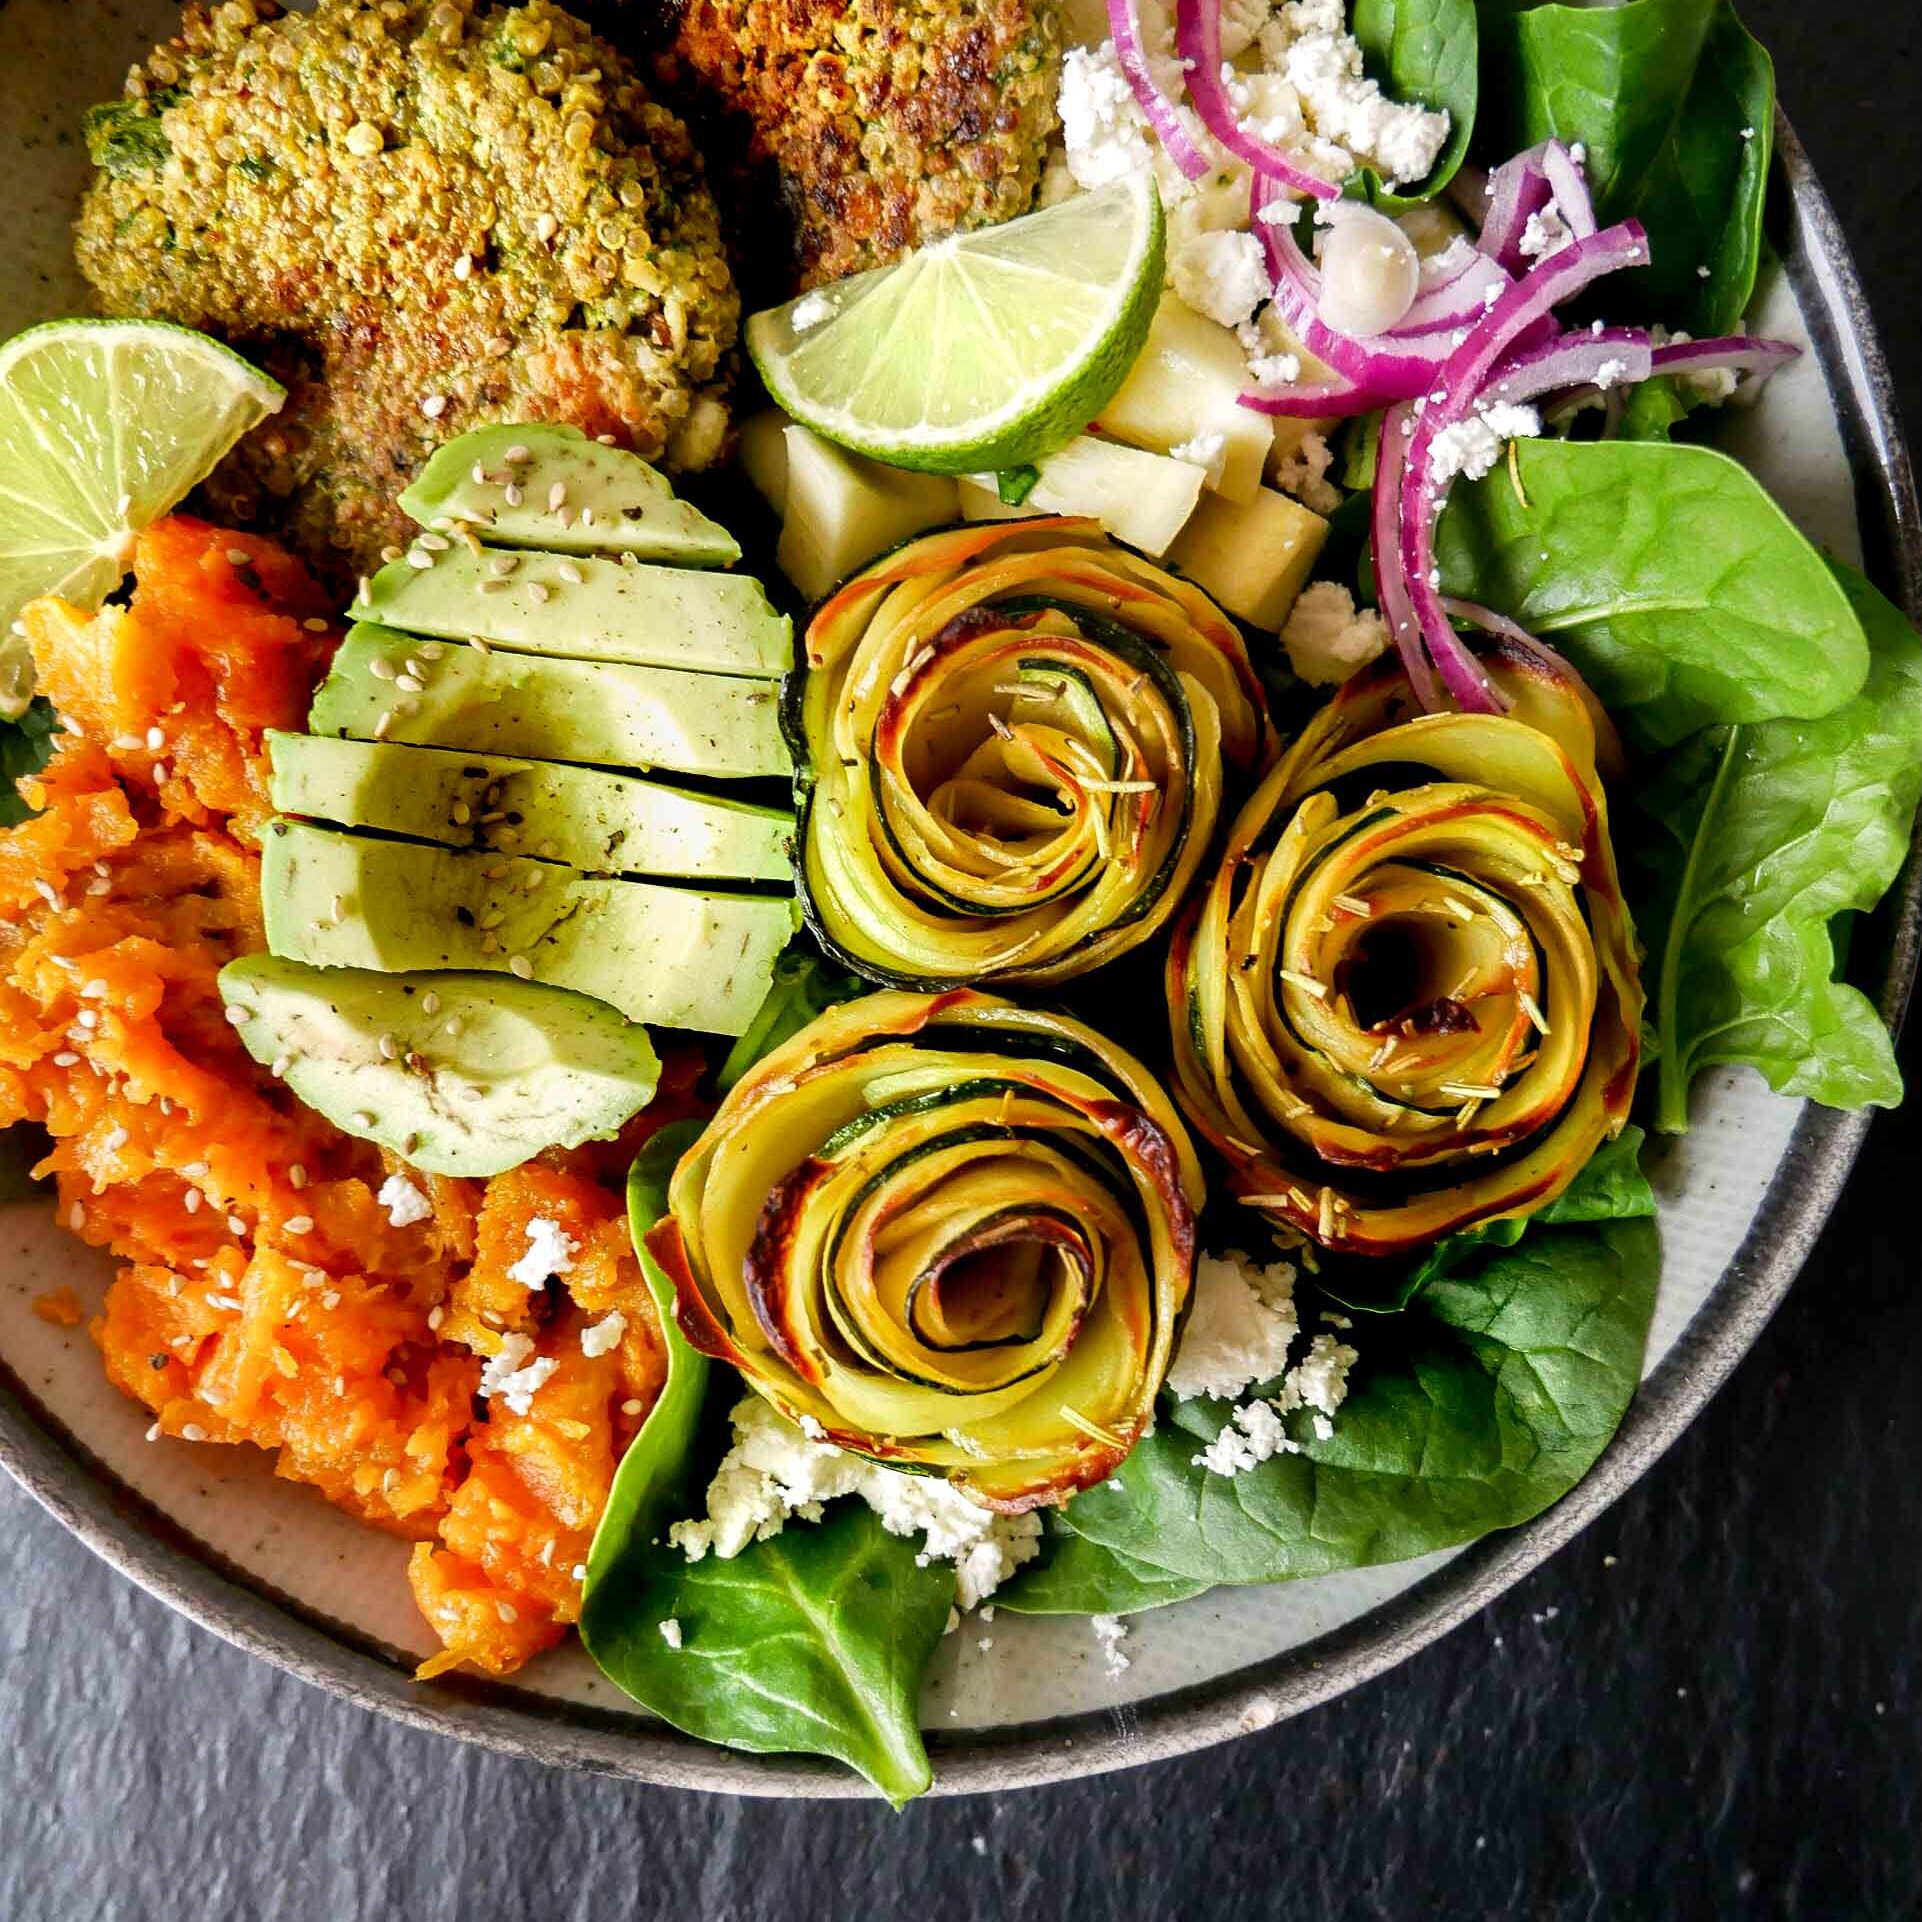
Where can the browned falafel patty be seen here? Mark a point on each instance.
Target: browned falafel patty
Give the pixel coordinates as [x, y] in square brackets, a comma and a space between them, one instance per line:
[887, 123]
[423, 215]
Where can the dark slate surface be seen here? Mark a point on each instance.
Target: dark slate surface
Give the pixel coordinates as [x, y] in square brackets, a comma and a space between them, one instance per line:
[1721, 1720]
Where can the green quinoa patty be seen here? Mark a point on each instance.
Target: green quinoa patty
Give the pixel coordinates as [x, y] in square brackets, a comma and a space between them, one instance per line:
[884, 123]
[423, 217]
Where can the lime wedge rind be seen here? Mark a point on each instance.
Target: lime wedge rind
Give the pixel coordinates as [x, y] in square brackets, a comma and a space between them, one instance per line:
[885, 371]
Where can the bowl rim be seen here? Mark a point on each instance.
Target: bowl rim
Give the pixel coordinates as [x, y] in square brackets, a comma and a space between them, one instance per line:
[152, 1550]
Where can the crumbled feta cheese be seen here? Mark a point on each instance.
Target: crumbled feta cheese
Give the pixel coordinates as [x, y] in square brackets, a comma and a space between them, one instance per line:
[1222, 275]
[511, 1377]
[1102, 127]
[1205, 450]
[774, 1471]
[550, 1252]
[604, 1334]
[405, 1204]
[1545, 233]
[1320, 1381]
[1471, 447]
[1253, 1435]
[1274, 357]
[1110, 1631]
[1240, 1327]
[671, 1632]
[1328, 638]
[810, 311]
[1304, 473]
[1241, 25]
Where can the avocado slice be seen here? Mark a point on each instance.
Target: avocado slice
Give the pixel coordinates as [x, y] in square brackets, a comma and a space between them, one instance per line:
[682, 957]
[483, 1072]
[600, 712]
[604, 823]
[611, 501]
[588, 609]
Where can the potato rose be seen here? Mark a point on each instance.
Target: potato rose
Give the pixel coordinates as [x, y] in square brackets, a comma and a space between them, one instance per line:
[948, 1233]
[1015, 737]
[1408, 1002]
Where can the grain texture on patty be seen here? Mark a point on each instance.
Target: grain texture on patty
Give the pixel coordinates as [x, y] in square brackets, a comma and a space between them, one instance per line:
[423, 217]
[885, 123]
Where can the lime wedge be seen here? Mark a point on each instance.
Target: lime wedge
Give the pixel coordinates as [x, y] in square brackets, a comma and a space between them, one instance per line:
[105, 425]
[979, 352]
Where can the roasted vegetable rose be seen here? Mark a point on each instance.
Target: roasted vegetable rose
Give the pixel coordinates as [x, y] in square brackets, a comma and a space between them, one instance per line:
[1015, 736]
[1408, 1002]
[956, 1234]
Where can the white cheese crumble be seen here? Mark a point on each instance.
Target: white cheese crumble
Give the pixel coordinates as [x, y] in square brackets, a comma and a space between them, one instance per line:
[511, 1377]
[1304, 473]
[604, 1335]
[810, 311]
[1222, 275]
[1240, 1331]
[1328, 638]
[1205, 450]
[1611, 373]
[1240, 1328]
[773, 1471]
[1471, 447]
[671, 1632]
[550, 1252]
[1104, 131]
[1110, 1631]
[1545, 233]
[405, 1204]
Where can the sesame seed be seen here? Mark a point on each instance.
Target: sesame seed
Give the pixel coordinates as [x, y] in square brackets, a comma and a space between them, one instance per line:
[86, 1018]
[300, 1224]
[314, 624]
[389, 1048]
[77, 1216]
[503, 564]
[237, 1014]
[606, 440]
[238, 557]
[382, 725]
[632, 1406]
[235, 1226]
[337, 907]
[579, 1571]
[159, 772]
[454, 1027]
[434, 543]
[493, 918]
[419, 559]
[513, 494]
[297, 1177]
[519, 452]
[390, 552]
[434, 406]
[124, 743]
[192, 1431]
[521, 968]
[282, 1062]
[462, 814]
[557, 496]
[382, 669]
[66, 1058]
[156, 740]
[98, 888]
[435, 1316]
[430, 1002]
[587, 513]
[463, 267]
[191, 1201]
[153, 1434]
[360, 1118]
[546, 226]
[410, 683]
[569, 572]
[507, 1611]
[194, 1170]
[430, 651]
[538, 590]
[114, 1138]
[535, 881]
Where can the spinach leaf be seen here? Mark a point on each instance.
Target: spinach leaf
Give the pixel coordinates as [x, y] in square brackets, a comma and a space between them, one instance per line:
[1482, 1404]
[803, 986]
[1667, 575]
[1675, 102]
[25, 746]
[1079, 1577]
[1426, 51]
[813, 1640]
[1758, 838]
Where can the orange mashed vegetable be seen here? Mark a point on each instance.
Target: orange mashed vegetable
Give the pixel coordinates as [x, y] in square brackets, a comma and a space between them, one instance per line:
[266, 1297]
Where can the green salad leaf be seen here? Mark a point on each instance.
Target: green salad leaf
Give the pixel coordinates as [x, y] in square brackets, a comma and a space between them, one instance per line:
[1080, 1577]
[1678, 588]
[1757, 838]
[25, 746]
[813, 1640]
[803, 986]
[1481, 1404]
[1425, 50]
[1675, 103]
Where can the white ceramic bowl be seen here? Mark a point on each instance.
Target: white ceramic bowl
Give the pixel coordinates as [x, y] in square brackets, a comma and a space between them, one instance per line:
[271, 1566]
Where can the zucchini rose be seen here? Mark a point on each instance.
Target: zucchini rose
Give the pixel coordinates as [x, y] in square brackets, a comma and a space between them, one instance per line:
[948, 1233]
[1013, 738]
[1408, 1002]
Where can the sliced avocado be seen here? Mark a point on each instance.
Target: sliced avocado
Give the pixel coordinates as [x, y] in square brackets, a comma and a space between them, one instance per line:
[477, 1074]
[682, 957]
[604, 823]
[598, 712]
[588, 609]
[610, 501]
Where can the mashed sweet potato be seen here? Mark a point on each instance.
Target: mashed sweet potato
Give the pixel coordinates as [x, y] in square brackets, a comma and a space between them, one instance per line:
[267, 1295]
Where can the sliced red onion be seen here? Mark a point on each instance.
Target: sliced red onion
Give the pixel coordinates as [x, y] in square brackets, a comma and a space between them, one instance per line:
[1390, 366]
[1570, 189]
[1198, 41]
[1391, 580]
[1319, 400]
[1517, 191]
[1465, 385]
[1159, 110]
[1740, 353]
[1460, 301]
[1572, 360]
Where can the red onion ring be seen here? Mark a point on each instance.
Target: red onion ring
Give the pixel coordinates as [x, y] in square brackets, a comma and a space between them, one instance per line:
[1156, 107]
[1198, 40]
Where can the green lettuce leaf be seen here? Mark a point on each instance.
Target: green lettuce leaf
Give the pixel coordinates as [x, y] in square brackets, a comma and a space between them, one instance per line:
[1425, 51]
[25, 746]
[1756, 839]
[803, 986]
[1667, 575]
